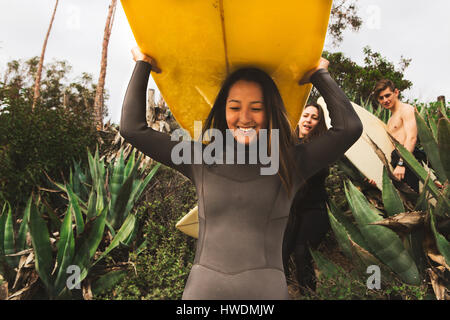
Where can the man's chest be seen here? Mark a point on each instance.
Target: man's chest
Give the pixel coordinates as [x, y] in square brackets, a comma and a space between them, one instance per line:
[395, 124]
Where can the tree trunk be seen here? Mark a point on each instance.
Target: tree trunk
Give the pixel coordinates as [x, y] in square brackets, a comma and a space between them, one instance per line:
[98, 102]
[37, 82]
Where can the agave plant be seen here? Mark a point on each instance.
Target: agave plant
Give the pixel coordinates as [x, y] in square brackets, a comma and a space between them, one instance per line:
[16, 257]
[408, 238]
[383, 244]
[100, 202]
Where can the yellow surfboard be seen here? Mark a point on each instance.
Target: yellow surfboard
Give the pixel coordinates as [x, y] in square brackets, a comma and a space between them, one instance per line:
[189, 223]
[197, 43]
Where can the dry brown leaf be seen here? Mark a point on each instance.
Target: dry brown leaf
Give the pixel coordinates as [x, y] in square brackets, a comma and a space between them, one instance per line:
[431, 250]
[118, 138]
[365, 256]
[3, 289]
[19, 270]
[400, 185]
[403, 223]
[438, 258]
[27, 291]
[25, 262]
[86, 288]
[30, 261]
[439, 288]
[20, 253]
[17, 295]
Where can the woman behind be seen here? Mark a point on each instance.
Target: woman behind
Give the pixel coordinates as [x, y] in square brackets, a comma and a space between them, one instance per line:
[308, 220]
[242, 213]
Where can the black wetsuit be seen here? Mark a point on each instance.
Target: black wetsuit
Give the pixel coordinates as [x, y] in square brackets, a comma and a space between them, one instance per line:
[242, 214]
[307, 226]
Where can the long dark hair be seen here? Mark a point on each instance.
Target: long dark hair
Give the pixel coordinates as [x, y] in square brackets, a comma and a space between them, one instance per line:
[275, 112]
[319, 129]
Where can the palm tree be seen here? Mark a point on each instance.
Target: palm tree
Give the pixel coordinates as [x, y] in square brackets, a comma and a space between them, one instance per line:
[98, 103]
[37, 82]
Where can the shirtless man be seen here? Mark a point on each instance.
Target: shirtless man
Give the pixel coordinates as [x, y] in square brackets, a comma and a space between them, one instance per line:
[402, 126]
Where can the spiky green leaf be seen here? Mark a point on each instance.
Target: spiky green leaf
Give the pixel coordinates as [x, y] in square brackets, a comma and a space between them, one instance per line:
[341, 235]
[91, 207]
[329, 268]
[349, 226]
[384, 243]
[93, 169]
[40, 239]
[442, 244]
[443, 138]
[124, 232]
[391, 199]
[422, 201]
[3, 215]
[432, 124]
[66, 250]
[23, 230]
[75, 206]
[108, 281]
[9, 238]
[418, 170]
[125, 195]
[431, 148]
[442, 209]
[116, 181]
[130, 164]
[89, 243]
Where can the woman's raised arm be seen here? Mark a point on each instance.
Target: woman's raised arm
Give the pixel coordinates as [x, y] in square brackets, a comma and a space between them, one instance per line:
[346, 127]
[133, 122]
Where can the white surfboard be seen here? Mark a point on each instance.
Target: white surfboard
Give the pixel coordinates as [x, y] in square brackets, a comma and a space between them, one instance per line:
[362, 154]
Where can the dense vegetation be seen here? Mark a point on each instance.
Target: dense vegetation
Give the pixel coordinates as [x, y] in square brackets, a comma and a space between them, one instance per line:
[47, 139]
[53, 190]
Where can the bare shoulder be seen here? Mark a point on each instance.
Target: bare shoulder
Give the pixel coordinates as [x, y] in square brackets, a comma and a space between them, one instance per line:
[407, 110]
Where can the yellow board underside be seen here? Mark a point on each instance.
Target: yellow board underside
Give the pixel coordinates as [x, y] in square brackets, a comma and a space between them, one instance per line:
[197, 43]
[189, 223]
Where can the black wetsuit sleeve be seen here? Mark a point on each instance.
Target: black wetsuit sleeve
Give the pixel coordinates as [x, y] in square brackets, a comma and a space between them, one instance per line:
[133, 123]
[346, 128]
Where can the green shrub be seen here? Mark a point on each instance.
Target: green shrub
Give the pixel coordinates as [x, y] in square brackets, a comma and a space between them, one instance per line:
[47, 138]
[358, 81]
[32, 143]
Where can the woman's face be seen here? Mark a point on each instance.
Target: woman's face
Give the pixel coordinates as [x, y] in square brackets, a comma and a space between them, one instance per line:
[245, 111]
[308, 120]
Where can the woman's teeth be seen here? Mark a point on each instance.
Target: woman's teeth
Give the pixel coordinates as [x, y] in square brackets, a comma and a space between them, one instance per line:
[246, 131]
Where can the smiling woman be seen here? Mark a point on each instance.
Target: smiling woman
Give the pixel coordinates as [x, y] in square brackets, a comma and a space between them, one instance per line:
[247, 102]
[242, 213]
[245, 111]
